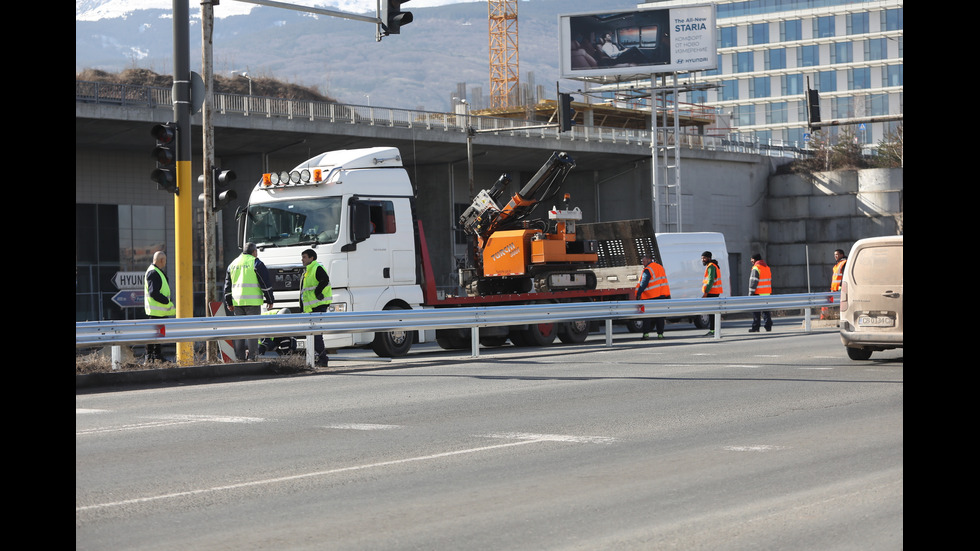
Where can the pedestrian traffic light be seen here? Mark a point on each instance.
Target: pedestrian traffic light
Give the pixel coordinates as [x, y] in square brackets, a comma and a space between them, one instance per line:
[165, 154]
[566, 115]
[392, 16]
[221, 180]
[813, 105]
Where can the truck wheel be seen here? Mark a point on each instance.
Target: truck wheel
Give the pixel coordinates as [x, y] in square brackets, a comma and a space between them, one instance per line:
[392, 344]
[858, 353]
[702, 321]
[493, 341]
[538, 334]
[451, 339]
[574, 332]
[636, 326]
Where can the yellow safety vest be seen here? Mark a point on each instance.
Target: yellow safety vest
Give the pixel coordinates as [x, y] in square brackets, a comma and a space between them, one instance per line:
[152, 307]
[309, 289]
[245, 289]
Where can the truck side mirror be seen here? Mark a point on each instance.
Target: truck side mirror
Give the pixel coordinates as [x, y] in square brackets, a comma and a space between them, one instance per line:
[240, 217]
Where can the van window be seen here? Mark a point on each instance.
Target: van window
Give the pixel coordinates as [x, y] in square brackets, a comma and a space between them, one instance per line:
[878, 266]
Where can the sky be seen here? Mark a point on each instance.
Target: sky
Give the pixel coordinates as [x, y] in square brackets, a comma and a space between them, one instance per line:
[93, 10]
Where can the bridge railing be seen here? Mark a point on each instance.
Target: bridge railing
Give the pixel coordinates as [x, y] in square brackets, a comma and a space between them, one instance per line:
[259, 106]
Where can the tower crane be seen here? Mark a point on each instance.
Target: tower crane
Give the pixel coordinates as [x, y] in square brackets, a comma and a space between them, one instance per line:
[504, 62]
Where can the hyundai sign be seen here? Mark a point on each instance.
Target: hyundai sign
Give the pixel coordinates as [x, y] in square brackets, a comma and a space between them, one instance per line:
[642, 42]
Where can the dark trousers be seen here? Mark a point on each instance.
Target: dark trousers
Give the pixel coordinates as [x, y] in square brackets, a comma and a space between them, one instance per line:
[711, 317]
[318, 338]
[252, 344]
[154, 352]
[758, 317]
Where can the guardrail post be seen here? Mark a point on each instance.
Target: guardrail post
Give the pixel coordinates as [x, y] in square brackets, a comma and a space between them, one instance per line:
[116, 357]
[310, 352]
[717, 316]
[475, 342]
[806, 320]
[609, 332]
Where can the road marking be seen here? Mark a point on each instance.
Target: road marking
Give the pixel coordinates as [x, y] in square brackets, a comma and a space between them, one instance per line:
[760, 448]
[522, 439]
[362, 426]
[172, 420]
[83, 411]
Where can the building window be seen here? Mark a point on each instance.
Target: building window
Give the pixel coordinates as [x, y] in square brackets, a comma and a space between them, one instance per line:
[728, 37]
[823, 27]
[879, 105]
[759, 33]
[791, 30]
[759, 87]
[893, 75]
[892, 20]
[775, 59]
[744, 115]
[777, 112]
[745, 62]
[699, 96]
[859, 78]
[842, 107]
[827, 81]
[858, 23]
[842, 52]
[875, 49]
[729, 90]
[792, 85]
[808, 56]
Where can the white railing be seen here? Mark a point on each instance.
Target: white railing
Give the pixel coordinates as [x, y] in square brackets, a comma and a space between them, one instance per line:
[117, 333]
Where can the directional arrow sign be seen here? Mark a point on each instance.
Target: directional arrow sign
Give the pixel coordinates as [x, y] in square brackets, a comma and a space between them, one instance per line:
[128, 280]
[132, 298]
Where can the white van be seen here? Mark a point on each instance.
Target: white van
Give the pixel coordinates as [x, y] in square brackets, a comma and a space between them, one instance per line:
[871, 298]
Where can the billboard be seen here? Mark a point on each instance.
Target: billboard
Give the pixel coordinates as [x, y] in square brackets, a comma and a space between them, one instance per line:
[641, 42]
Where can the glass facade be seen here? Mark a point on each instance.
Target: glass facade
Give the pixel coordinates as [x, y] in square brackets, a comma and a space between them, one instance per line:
[771, 51]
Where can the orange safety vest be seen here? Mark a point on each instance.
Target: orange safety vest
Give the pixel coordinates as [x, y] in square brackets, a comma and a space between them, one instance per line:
[838, 276]
[716, 288]
[657, 286]
[764, 286]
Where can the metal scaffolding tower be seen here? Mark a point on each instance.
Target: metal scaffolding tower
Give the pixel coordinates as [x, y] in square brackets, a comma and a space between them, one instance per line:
[504, 63]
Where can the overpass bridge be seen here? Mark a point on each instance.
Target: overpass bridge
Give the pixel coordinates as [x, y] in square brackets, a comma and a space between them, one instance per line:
[721, 180]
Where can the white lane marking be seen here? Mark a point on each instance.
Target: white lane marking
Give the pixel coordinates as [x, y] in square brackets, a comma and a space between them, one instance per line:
[173, 420]
[758, 448]
[83, 411]
[523, 438]
[277, 480]
[552, 437]
[362, 426]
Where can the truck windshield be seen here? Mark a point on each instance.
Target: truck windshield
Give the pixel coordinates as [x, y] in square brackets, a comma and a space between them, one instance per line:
[294, 222]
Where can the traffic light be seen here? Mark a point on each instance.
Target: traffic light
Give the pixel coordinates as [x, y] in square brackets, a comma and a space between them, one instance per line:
[165, 154]
[566, 115]
[221, 180]
[813, 105]
[392, 16]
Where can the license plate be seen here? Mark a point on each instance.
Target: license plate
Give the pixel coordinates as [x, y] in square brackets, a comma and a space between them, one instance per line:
[876, 321]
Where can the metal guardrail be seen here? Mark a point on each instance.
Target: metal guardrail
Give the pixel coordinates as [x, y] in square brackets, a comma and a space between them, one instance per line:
[269, 107]
[116, 333]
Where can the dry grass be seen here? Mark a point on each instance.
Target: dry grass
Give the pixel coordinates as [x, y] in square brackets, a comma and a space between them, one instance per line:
[100, 361]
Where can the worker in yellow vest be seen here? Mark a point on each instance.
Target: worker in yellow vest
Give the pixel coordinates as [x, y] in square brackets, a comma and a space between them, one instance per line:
[247, 286]
[157, 301]
[315, 296]
[711, 285]
[653, 286]
[760, 283]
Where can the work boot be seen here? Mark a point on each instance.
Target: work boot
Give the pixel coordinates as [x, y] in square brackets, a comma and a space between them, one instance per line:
[645, 336]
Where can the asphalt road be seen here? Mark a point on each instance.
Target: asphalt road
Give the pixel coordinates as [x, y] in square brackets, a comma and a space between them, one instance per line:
[762, 441]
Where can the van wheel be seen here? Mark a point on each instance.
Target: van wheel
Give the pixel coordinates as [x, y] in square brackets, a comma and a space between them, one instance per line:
[574, 332]
[702, 321]
[392, 344]
[858, 353]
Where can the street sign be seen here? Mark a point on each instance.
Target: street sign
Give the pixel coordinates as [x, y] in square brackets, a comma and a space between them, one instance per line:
[128, 280]
[130, 298]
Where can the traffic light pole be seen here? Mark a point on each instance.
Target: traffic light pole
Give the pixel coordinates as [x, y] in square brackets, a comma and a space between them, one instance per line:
[211, 289]
[183, 234]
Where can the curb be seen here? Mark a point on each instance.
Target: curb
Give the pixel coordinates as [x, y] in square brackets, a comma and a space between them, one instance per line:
[144, 376]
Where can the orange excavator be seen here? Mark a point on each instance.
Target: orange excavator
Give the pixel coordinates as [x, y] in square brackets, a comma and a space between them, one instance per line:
[514, 253]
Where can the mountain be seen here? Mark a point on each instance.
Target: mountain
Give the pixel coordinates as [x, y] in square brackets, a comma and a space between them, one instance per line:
[419, 68]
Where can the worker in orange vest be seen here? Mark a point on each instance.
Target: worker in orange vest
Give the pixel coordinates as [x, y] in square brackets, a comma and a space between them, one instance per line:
[653, 286]
[760, 283]
[841, 259]
[711, 285]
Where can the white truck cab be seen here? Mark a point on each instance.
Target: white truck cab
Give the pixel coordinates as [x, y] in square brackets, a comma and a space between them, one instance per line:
[354, 209]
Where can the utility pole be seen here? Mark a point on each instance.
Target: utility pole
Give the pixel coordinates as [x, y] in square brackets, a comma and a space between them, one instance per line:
[211, 290]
